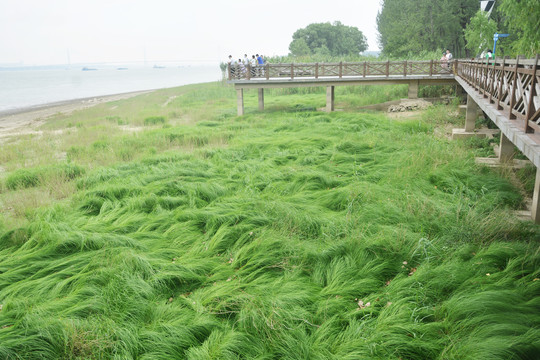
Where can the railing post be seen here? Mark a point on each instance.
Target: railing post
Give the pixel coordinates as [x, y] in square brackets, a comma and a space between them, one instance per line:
[365, 68]
[267, 71]
[248, 73]
[388, 68]
[292, 70]
[405, 68]
[229, 70]
[487, 81]
[492, 87]
[530, 107]
[340, 69]
[501, 81]
[316, 70]
[431, 68]
[511, 115]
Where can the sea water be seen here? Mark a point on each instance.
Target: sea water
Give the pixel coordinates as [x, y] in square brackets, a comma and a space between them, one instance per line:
[26, 87]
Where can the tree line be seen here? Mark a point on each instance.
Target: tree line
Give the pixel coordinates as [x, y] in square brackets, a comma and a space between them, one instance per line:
[411, 27]
[408, 26]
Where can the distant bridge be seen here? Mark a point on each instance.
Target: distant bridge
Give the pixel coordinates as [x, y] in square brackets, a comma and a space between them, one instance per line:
[506, 90]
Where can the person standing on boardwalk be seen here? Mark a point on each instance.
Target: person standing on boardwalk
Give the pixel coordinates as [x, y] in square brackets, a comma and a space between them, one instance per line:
[260, 65]
[230, 62]
[444, 61]
[448, 55]
[253, 64]
[489, 55]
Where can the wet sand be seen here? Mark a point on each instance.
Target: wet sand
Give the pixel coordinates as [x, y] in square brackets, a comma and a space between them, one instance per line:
[26, 120]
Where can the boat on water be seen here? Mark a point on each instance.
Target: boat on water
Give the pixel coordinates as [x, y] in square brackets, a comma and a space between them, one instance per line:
[88, 69]
[159, 67]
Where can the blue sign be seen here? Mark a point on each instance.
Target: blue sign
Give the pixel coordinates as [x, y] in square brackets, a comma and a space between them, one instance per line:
[496, 37]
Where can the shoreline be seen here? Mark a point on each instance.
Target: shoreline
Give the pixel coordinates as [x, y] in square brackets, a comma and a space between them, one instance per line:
[24, 120]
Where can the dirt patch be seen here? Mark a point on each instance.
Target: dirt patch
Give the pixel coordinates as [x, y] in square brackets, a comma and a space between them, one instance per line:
[406, 105]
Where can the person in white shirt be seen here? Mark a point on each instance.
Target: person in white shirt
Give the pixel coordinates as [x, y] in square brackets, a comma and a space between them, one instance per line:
[253, 64]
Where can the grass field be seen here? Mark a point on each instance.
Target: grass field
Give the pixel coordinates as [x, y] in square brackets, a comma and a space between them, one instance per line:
[166, 227]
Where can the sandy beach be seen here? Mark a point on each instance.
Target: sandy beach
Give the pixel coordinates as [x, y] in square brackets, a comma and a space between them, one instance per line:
[26, 120]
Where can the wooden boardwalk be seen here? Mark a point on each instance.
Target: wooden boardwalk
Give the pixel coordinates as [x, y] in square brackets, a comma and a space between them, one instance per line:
[506, 90]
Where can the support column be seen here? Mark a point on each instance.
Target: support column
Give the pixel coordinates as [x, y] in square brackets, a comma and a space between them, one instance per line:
[330, 97]
[240, 101]
[413, 89]
[506, 149]
[261, 99]
[535, 207]
[471, 115]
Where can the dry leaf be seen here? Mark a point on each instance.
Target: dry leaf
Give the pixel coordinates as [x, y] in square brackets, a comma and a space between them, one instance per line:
[361, 304]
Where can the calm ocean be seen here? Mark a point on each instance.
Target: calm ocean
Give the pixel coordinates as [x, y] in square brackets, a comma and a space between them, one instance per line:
[20, 88]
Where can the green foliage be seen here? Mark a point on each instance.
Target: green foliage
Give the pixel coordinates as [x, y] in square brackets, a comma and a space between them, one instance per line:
[479, 33]
[32, 177]
[154, 120]
[326, 39]
[21, 179]
[288, 234]
[523, 21]
[411, 26]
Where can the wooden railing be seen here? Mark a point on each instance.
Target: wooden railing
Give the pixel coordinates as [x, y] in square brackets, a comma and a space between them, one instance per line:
[513, 85]
[340, 70]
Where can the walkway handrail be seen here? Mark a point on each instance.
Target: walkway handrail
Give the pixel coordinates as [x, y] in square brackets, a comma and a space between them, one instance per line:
[512, 84]
[340, 69]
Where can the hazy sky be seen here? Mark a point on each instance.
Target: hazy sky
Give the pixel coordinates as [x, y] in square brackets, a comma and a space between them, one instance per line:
[37, 32]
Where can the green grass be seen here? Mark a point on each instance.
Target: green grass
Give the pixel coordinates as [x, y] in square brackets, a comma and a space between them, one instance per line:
[284, 234]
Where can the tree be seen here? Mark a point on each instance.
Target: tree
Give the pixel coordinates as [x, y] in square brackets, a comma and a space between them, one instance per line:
[325, 38]
[523, 20]
[407, 27]
[299, 47]
[479, 33]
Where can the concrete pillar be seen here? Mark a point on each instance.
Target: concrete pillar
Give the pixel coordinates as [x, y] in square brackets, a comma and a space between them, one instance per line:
[261, 99]
[471, 114]
[413, 89]
[330, 97]
[506, 149]
[535, 207]
[240, 101]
